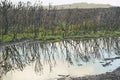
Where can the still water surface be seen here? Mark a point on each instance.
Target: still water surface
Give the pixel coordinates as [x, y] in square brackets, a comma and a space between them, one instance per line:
[49, 60]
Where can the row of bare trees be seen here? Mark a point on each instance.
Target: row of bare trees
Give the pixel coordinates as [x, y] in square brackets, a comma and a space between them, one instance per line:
[25, 18]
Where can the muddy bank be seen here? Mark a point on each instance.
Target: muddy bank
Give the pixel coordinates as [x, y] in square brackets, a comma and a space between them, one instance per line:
[115, 75]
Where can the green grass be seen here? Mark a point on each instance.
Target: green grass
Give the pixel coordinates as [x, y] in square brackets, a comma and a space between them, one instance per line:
[24, 35]
[97, 35]
[9, 37]
[49, 38]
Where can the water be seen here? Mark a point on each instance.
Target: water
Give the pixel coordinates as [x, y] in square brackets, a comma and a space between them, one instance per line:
[50, 60]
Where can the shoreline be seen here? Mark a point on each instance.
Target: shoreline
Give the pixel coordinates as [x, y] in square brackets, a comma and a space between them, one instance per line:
[114, 75]
[53, 40]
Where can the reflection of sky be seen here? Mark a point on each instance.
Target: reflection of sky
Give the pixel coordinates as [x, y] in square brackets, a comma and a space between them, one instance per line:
[62, 68]
[115, 64]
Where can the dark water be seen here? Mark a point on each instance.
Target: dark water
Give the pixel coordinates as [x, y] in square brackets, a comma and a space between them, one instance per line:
[48, 60]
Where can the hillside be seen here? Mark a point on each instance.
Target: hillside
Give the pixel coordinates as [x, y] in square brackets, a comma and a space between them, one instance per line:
[81, 5]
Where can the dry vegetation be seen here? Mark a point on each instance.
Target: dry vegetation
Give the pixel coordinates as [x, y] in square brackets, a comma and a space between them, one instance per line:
[24, 20]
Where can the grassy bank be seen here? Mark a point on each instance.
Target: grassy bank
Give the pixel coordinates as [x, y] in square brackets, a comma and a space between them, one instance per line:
[30, 36]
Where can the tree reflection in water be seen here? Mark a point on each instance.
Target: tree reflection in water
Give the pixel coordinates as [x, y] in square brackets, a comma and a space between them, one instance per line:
[19, 55]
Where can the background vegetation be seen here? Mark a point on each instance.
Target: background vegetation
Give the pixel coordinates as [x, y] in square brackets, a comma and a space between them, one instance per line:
[26, 21]
[82, 5]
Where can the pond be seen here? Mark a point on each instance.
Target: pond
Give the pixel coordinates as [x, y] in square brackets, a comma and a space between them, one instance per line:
[49, 60]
